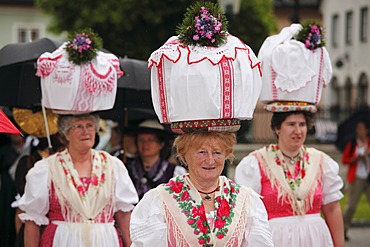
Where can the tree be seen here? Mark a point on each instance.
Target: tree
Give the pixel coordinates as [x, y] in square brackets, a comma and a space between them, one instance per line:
[137, 28]
[254, 22]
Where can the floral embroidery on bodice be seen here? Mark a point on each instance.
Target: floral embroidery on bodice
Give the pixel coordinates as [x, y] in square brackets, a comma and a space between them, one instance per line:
[194, 211]
[298, 192]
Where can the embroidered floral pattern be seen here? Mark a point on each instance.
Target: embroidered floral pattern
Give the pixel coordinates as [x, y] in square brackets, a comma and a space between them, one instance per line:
[294, 180]
[96, 180]
[195, 213]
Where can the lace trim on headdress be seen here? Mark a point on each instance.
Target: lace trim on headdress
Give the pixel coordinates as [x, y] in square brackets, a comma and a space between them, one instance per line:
[172, 51]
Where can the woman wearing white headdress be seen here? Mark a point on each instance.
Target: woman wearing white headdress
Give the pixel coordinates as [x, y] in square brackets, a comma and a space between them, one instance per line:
[297, 183]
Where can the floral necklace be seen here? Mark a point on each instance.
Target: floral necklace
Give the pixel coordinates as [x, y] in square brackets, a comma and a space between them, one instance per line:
[294, 180]
[195, 212]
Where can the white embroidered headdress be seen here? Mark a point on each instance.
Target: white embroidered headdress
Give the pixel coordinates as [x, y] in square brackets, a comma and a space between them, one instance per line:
[77, 78]
[295, 67]
[204, 77]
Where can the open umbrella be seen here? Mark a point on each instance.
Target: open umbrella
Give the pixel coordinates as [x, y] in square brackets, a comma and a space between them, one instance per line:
[19, 86]
[347, 128]
[133, 100]
[6, 126]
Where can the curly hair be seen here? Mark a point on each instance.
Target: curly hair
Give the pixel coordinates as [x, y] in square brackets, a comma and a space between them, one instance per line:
[65, 122]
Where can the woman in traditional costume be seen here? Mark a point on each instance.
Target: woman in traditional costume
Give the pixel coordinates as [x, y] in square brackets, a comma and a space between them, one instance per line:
[80, 194]
[204, 81]
[201, 208]
[296, 182]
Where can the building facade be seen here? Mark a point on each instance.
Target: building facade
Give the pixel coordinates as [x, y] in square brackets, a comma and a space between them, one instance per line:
[21, 21]
[348, 42]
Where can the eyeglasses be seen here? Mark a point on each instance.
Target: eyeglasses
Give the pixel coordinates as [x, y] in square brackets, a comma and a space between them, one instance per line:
[80, 128]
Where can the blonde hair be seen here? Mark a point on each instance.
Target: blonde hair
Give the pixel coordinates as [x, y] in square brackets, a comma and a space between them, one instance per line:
[183, 143]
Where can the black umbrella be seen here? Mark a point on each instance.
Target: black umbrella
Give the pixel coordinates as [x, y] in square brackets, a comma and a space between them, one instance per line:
[21, 52]
[19, 86]
[133, 100]
[347, 128]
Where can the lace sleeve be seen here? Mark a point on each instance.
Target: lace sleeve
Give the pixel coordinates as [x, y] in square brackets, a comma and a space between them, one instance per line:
[257, 231]
[35, 200]
[248, 173]
[126, 195]
[332, 182]
[148, 226]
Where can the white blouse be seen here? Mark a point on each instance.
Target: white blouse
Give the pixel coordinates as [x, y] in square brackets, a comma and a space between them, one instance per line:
[35, 200]
[148, 222]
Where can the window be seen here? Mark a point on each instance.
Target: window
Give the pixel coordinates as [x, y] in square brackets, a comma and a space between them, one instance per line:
[28, 34]
[347, 95]
[334, 99]
[363, 24]
[349, 19]
[362, 90]
[334, 30]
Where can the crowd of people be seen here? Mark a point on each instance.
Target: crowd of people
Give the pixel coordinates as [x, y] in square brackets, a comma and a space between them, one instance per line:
[152, 187]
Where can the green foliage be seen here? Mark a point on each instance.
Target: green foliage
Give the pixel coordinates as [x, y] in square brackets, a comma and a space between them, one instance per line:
[137, 28]
[82, 46]
[204, 24]
[254, 22]
[362, 211]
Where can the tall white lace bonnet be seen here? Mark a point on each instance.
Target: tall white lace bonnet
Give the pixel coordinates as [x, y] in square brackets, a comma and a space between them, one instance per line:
[294, 71]
[76, 88]
[197, 86]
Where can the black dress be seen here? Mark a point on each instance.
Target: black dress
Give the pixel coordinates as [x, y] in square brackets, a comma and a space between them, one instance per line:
[8, 155]
[161, 172]
[24, 165]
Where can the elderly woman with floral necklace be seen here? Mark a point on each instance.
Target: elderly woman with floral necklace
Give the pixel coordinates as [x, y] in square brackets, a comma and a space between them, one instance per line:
[296, 184]
[78, 192]
[201, 208]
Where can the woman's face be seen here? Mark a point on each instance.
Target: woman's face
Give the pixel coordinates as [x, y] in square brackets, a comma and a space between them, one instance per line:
[148, 145]
[81, 136]
[361, 130]
[293, 132]
[206, 162]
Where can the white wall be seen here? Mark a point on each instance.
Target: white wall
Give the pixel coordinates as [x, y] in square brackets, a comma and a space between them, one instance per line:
[359, 53]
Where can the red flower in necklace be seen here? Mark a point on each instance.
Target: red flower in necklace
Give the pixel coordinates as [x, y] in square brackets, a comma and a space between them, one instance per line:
[175, 186]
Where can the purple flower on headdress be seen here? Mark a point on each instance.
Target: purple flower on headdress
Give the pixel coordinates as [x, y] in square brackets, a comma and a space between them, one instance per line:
[311, 35]
[81, 42]
[206, 25]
